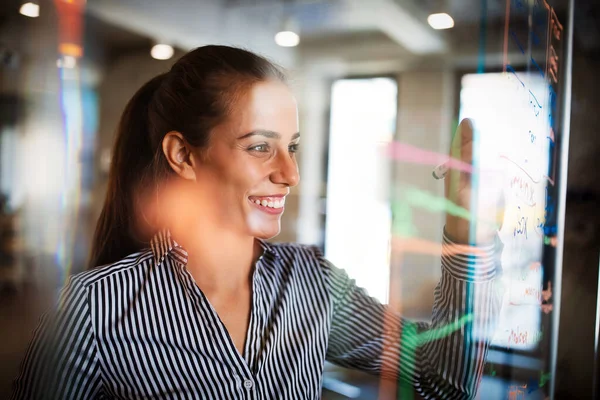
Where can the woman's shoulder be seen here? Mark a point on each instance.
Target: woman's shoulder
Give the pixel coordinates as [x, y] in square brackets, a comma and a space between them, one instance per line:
[310, 260]
[305, 255]
[141, 259]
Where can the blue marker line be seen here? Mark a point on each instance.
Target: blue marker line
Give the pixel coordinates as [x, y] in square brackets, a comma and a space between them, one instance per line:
[535, 98]
[552, 97]
[535, 38]
[511, 69]
[512, 33]
[538, 67]
[537, 103]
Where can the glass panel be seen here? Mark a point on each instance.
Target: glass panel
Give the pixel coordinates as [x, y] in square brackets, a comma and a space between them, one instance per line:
[381, 86]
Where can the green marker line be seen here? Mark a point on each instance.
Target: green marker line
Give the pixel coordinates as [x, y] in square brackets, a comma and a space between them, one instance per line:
[415, 340]
[411, 197]
[439, 333]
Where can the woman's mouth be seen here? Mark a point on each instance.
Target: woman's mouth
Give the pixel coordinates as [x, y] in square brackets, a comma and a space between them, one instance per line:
[268, 204]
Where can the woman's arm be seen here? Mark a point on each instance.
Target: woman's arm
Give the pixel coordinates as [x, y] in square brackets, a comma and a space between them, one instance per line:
[443, 359]
[62, 360]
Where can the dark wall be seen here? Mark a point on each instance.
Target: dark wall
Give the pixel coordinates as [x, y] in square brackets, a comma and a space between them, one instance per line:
[575, 367]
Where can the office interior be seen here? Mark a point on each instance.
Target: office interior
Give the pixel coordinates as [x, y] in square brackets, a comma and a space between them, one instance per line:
[380, 93]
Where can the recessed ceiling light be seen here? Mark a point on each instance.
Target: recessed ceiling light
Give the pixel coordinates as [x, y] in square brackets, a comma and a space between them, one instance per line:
[162, 51]
[30, 9]
[287, 39]
[440, 21]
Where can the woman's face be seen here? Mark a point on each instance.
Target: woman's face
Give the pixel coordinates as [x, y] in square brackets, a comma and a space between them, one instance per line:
[250, 165]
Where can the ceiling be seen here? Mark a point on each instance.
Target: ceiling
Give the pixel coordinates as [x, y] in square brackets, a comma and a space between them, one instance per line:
[348, 28]
[253, 23]
[105, 41]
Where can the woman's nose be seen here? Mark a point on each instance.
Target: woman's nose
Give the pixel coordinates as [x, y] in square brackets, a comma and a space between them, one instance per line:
[286, 171]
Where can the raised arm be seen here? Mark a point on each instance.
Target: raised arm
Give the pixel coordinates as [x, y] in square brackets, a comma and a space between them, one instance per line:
[443, 359]
[61, 361]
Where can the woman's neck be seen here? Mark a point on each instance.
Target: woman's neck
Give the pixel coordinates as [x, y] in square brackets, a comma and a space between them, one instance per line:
[219, 260]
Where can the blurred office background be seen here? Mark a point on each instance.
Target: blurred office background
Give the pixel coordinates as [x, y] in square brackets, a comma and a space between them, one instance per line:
[367, 74]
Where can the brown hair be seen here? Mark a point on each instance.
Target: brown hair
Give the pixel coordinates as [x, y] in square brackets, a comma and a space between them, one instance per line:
[192, 98]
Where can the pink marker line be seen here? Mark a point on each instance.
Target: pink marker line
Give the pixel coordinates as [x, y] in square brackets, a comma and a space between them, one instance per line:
[407, 153]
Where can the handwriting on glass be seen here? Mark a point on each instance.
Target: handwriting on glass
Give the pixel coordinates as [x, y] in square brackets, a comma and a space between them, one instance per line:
[523, 190]
[516, 392]
[516, 337]
[521, 226]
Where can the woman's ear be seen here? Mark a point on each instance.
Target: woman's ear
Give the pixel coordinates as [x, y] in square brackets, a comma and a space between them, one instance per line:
[178, 154]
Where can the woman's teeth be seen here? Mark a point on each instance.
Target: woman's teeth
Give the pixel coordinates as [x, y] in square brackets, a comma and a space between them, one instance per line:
[270, 203]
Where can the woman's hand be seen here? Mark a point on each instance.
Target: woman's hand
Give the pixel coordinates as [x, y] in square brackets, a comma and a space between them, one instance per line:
[485, 204]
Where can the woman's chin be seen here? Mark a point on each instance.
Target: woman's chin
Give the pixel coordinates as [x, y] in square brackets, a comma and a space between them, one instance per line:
[267, 233]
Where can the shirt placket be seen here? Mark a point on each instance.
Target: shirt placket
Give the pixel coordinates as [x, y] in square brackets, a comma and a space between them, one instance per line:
[255, 327]
[238, 366]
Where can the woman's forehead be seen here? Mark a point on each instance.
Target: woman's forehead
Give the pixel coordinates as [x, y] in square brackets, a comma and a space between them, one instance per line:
[267, 105]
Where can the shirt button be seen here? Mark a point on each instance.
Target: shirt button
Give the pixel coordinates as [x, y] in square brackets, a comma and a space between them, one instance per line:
[248, 384]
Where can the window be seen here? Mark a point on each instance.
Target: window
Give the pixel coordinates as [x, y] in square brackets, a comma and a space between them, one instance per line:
[358, 221]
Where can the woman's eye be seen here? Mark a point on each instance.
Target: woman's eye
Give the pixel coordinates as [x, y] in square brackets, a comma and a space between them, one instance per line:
[261, 148]
[293, 148]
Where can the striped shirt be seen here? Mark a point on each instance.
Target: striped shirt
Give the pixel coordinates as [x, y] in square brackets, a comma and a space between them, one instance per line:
[142, 329]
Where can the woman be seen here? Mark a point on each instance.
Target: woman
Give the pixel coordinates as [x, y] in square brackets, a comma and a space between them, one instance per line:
[185, 298]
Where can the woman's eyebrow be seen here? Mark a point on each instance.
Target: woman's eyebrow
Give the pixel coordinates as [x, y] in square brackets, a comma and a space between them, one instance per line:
[267, 133]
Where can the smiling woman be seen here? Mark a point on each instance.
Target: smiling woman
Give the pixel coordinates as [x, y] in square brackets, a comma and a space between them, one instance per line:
[184, 297]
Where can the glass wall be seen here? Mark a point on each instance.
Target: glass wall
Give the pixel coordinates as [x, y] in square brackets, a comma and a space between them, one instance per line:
[381, 88]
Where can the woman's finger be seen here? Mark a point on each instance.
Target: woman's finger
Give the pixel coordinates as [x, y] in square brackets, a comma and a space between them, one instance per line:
[462, 143]
[461, 149]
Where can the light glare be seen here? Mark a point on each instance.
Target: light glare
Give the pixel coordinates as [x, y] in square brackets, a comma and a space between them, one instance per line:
[287, 39]
[162, 52]
[66, 62]
[30, 9]
[440, 21]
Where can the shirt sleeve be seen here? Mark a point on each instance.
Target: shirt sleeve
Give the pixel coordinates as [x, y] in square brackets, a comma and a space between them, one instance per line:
[62, 360]
[443, 359]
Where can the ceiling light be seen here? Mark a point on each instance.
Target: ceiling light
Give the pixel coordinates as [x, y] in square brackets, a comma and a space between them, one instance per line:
[440, 21]
[162, 51]
[288, 33]
[287, 39]
[30, 9]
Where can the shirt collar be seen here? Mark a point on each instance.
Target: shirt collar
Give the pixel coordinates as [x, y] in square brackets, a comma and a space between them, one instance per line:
[268, 248]
[163, 244]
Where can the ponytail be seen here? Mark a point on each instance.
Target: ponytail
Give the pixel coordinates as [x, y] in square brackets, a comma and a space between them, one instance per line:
[117, 231]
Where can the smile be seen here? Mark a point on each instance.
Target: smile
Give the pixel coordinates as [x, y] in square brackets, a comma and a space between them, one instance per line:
[271, 204]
